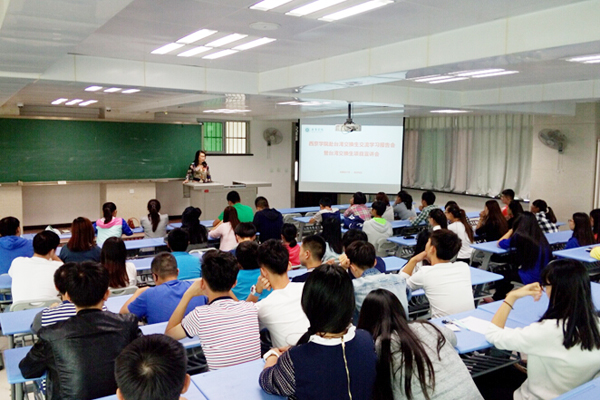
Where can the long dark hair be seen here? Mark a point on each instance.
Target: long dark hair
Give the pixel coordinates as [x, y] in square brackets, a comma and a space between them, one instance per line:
[595, 216]
[384, 317]
[530, 241]
[230, 215]
[197, 157]
[460, 214]
[439, 217]
[289, 233]
[406, 198]
[542, 206]
[327, 301]
[332, 233]
[515, 208]
[495, 217]
[571, 303]
[381, 196]
[153, 209]
[583, 229]
[82, 235]
[112, 257]
[107, 211]
[190, 222]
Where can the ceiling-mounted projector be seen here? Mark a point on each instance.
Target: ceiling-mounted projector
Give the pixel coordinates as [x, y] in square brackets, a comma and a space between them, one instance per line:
[349, 125]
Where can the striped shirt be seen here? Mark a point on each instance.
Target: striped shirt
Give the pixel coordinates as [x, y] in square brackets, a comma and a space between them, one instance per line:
[65, 310]
[228, 331]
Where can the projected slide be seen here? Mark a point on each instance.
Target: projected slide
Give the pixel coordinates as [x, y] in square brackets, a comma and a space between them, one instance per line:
[369, 161]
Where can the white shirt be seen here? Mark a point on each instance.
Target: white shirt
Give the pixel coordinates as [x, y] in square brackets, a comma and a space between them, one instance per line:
[281, 313]
[388, 215]
[551, 369]
[447, 287]
[465, 248]
[131, 273]
[33, 279]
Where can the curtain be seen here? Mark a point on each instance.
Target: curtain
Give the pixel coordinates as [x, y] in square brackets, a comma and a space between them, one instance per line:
[480, 155]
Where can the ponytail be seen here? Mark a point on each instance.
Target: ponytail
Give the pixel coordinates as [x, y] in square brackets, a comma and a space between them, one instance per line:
[461, 215]
[551, 216]
[107, 210]
[543, 206]
[154, 208]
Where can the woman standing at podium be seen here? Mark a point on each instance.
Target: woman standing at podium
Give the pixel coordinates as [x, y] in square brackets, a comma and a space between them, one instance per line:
[198, 170]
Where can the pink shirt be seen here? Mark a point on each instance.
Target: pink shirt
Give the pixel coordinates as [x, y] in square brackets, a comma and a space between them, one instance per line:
[294, 253]
[227, 235]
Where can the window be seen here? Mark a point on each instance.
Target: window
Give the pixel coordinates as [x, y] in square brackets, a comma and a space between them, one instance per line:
[230, 137]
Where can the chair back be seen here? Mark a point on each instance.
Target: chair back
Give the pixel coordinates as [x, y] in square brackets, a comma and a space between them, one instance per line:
[28, 305]
[122, 291]
[385, 248]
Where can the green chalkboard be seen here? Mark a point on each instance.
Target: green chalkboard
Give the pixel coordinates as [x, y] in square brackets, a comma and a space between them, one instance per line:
[54, 150]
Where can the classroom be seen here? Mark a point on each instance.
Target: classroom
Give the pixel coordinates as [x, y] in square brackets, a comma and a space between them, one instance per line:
[109, 101]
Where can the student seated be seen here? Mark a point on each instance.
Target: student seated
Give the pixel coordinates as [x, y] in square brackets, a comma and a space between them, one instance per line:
[427, 204]
[157, 303]
[357, 207]
[545, 216]
[447, 284]
[244, 232]
[388, 215]
[312, 251]
[324, 209]
[506, 197]
[595, 219]
[114, 258]
[361, 256]
[581, 226]
[459, 225]
[244, 213]
[33, 277]
[190, 222]
[246, 254]
[110, 225]
[377, 227]
[222, 314]
[333, 359]
[437, 219]
[403, 206]
[12, 245]
[288, 237]
[426, 350]
[268, 221]
[82, 244]
[514, 210]
[189, 265]
[281, 313]
[226, 230]
[152, 367]
[351, 236]
[563, 347]
[154, 224]
[491, 225]
[332, 234]
[78, 354]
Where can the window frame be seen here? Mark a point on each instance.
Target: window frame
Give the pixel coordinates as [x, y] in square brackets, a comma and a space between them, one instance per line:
[225, 138]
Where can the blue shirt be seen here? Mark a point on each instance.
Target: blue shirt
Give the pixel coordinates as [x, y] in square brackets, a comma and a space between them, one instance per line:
[245, 279]
[158, 303]
[189, 265]
[12, 247]
[572, 243]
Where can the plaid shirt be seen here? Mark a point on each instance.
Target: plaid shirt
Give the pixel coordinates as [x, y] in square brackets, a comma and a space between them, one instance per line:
[360, 210]
[424, 215]
[545, 223]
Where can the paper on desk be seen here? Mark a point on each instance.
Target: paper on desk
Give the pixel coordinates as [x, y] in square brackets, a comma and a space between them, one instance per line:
[452, 327]
[476, 324]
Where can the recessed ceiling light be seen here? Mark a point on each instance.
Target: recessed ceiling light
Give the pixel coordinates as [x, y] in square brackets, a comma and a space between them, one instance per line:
[476, 72]
[59, 101]
[267, 5]
[428, 78]
[496, 74]
[313, 7]
[167, 48]
[93, 88]
[129, 91]
[112, 90]
[194, 37]
[592, 61]
[304, 103]
[448, 79]
[254, 43]
[584, 58]
[194, 51]
[226, 111]
[220, 54]
[449, 111]
[226, 40]
[73, 102]
[87, 103]
[361, 8]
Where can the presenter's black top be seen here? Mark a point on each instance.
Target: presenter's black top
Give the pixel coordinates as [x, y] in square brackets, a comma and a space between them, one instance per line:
[200, 173]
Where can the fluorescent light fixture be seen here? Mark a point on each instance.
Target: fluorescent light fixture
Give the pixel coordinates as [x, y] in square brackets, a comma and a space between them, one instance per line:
[220, 54]
[476, 72]
[592, 61]
[226, 111]
[460, 78]
[87, 103]
[584, 58]
[429, 78]
[449, 111]
[254, 43]
[93, 88]
[234, 37]
[73, 102]
[112, 90]
[267, 5]
[59, 101]
[129, 91]
[194, 51]
[496, 74]
[304, 103]
[167, 48]
[194, 37]
[361, 8]
[313, 7]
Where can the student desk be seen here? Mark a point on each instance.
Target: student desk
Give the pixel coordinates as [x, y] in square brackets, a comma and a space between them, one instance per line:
[206, 223]
[17, 322]
[587, 391]
[12, 358]
[67, 235]
[160, 328]
[298, 210]
[578, 253]
[237, 382]
[193, 393]
[479, 278]
[114, 304]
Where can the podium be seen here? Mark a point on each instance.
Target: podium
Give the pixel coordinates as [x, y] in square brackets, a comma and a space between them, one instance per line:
[212, 197]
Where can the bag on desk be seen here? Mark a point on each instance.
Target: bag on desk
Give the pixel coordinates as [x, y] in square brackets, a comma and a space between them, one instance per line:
[353, 222]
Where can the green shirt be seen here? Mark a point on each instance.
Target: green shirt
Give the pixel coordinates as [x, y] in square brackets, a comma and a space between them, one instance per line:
[245, 213]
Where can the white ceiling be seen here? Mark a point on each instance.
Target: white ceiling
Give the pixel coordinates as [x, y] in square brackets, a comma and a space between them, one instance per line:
[56, 49]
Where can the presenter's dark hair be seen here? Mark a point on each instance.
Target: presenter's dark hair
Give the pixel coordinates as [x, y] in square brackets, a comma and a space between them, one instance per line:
[381, 196]
[316, 245]
[327, 301]
[60, 277]
[529, 241]
[219, 270]
[495, 217]
[362, 254]
[439, 217]
[583, 229]
[197, 157]
[571, 303]
[230, 215]
[542, 206]
[151, 367]
[153, 209]
[509, 193]
[107, 211]
[9, 226]
[595, 216]
[379, 207]
[190, 222]
[332, 233]
[112, 257]
[245, 230]
[352, 235]
[460, 214]
[446, 243]
[289, 233]
[359, 198]
[44, 242]
[429, 197]
[325, 202]
[164, 265]
[82, 235]
[233, 197]
[383, 316]
[261, 202]
[406, 198]
[87, 283]
[273, 256]
[178, 240]
[515, 208]
[247, 255]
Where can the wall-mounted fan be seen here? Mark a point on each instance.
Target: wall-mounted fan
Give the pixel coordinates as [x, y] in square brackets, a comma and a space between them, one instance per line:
[553, 138]
[272, 136]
